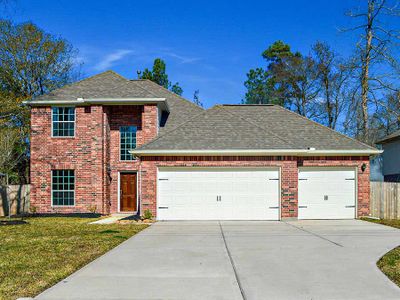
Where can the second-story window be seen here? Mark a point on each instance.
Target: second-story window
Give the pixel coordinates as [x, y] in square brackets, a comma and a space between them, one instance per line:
[127, 141]
[63, 121]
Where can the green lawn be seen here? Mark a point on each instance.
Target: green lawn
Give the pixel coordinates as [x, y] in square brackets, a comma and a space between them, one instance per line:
[390, 262]
[37, 255]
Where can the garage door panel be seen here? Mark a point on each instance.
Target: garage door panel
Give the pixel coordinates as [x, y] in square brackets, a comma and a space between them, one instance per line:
[326, 212]
[244, 194]
[326, 194]
[326, 175]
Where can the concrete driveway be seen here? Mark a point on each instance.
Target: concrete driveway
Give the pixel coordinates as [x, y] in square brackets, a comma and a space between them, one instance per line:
[240, 260]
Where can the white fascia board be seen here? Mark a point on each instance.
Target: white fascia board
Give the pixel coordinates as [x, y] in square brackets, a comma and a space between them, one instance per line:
[106, 101]
[53, 102]
[283, 152]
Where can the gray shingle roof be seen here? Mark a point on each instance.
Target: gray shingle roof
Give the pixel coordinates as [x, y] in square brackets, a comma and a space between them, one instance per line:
[233, 127]
[395, 135]
[181, 109]
[104, 85]
[252, 127]
[112, 85]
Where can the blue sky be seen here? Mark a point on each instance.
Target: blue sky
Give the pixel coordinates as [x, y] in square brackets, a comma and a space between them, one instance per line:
[207, 45]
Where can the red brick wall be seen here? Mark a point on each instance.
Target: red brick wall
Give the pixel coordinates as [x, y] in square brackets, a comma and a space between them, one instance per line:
[93, 153]
[289, 173]
[83, 153]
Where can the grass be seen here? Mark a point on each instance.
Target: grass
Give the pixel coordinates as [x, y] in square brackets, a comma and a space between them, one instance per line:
[390, 262]
[37, 255]
[387, 222]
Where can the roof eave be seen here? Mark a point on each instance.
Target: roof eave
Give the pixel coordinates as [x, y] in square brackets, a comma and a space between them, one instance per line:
[273, 152]
[101, 101]
[388, 140]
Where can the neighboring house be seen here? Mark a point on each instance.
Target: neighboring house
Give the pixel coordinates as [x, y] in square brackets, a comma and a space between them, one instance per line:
[391, 156]
[116, 145]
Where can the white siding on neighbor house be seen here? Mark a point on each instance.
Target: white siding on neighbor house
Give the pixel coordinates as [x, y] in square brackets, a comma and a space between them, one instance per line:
[391, 158]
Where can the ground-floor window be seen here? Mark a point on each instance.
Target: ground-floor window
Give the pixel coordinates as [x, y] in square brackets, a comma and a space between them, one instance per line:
[63, 187]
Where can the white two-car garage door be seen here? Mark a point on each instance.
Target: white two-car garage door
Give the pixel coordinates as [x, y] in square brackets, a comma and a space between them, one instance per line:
[218, 194]
[327, 193]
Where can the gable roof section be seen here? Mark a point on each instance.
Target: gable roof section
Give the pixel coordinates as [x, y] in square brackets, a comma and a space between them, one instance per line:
[217, 129]
[110, 85]
[252, 128]
[300, 130]
[389, 138]
[104, 85]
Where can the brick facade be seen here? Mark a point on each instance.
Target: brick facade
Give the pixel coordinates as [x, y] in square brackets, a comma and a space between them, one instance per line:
[94, 155]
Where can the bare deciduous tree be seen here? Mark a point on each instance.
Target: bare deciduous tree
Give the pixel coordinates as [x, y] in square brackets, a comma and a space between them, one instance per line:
[333, 77]
[8, 138]
[373, 59]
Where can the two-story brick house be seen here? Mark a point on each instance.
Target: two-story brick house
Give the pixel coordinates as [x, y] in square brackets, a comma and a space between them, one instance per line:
[111, 144]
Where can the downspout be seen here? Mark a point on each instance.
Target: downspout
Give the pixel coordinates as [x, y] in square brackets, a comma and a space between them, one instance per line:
[140, 186]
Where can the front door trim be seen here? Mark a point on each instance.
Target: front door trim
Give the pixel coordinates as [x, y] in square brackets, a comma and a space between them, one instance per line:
[119, 189]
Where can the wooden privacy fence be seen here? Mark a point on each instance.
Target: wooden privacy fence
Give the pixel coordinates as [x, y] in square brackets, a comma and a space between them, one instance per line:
[385, 200]
[17, 196]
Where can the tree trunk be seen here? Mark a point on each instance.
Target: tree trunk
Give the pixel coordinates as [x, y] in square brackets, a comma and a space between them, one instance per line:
[329, 109]
[365, 71]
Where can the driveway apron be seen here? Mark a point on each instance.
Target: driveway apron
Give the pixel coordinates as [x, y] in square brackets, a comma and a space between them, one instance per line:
[240, 260]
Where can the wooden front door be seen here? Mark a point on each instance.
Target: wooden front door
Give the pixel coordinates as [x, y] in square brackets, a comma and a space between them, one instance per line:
[128, 192]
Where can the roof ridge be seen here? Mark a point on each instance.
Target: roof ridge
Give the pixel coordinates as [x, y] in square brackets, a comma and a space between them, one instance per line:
[173, 129]
[267, 104]
[137, 85]
[172, 93]
[110, 71]
[261, 127]
[84, 80]
[325, 127]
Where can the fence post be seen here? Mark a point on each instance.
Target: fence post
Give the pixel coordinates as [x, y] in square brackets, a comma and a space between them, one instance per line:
[8, 198]
[382, 200]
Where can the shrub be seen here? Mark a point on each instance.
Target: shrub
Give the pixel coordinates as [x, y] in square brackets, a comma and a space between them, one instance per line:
[92, 208]
[147, 215]
[33, 209]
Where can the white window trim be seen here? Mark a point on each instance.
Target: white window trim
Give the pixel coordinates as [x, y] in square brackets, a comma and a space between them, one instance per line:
[51, 193]
[63, 137]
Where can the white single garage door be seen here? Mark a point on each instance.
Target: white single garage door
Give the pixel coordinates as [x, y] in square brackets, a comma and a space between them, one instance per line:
[218, 194]
[327, 193]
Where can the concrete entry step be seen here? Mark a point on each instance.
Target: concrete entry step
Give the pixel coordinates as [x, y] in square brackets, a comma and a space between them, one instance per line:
[114, 218]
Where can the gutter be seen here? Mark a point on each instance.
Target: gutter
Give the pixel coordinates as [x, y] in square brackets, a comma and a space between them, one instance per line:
[105, 101]
[277, 152]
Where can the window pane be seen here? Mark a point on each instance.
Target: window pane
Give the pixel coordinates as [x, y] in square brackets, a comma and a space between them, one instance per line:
[127, 141]
[63, 121]
[63, 187]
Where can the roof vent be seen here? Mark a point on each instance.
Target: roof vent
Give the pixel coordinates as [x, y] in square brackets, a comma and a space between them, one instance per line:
[311, 148]
[79, 99]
